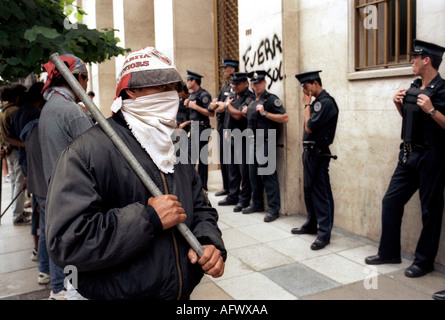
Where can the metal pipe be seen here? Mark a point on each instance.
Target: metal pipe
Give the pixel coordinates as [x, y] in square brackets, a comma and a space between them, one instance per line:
[13, 200]
[126, 153]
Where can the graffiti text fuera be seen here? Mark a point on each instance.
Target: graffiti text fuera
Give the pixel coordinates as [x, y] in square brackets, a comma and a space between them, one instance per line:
[267, 56]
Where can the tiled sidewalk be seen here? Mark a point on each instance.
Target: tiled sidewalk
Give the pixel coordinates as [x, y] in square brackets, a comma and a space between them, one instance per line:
[265, 262]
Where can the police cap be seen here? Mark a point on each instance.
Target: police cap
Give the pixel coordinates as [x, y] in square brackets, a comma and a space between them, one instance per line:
[238, 77]
[193, 75]
[257, 76]
[423, 47]
[230, 63]
[308, 77]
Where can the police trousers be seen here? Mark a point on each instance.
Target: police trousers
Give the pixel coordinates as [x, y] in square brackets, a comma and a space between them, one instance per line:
[199, 152]
[263, 182]
[318, 193]
[239, 182]
[423, 171]
[223, 164]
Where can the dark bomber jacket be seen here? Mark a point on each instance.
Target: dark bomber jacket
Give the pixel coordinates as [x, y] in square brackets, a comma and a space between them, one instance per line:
[99, 222]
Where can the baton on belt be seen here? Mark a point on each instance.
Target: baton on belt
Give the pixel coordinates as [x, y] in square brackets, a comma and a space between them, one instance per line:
[126, 153]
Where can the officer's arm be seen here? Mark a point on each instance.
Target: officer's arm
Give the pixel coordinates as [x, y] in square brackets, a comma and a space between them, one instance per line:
[204, 111]
[439, 117]
[206, 100]
[201, 110]
[214, 104]
[425, 103]
[280, 118]
[307, 117]
[398, 100]
[234, 112]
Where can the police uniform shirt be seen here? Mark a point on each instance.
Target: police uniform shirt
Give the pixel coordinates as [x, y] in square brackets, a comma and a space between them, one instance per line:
[223, 96]
[323, 121]
[183, 113]
[203, 99]
[271, 104]
[242, 102]
[418, 127]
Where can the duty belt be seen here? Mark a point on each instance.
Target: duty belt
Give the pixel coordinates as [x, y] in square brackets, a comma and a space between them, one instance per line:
[408, 148]
[311, 146]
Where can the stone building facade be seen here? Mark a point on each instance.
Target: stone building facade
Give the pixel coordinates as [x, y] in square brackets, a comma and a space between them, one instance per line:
[287, 37]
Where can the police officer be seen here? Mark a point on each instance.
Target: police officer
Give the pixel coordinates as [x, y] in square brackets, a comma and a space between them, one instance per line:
[183, 116]
[320, 124]
[218, 105]
[198, 103]
[263, 117]
[421, 164]
[235, 125]
[182, 127]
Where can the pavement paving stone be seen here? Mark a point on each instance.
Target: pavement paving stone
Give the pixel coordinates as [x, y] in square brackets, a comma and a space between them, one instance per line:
[265, 261]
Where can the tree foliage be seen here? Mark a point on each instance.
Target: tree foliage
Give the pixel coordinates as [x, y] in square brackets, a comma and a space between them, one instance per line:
[32, 30]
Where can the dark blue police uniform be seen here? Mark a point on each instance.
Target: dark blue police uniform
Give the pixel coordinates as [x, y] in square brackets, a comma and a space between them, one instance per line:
[260, 183]
[421, 166]
[203, 99]
[183, 115]
[316, 157]
[223, 96]
[238, 167]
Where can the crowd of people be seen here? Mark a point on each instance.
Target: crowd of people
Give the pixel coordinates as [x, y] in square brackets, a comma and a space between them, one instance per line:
[95, 213]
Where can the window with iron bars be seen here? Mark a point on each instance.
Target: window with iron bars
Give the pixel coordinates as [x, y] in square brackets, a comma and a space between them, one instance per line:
[384, 33]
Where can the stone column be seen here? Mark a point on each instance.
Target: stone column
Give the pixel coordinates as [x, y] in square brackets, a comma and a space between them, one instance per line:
[139, 24]
[107, 69]
[194, 40]
[194, 50]
[291, 172]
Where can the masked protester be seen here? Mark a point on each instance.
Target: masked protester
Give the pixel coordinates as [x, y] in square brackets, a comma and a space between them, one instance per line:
[120, 239]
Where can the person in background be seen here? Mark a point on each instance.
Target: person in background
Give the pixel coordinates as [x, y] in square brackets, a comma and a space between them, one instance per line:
[218, 105]
[61, 121]
[264, 114]
[421, 163]
[14, 95]
[198, 103]
[240, 191]
[320, 125]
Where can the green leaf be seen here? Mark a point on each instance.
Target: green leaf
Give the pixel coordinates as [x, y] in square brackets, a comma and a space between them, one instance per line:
[13, 61]
[30, 30]
[35, 53]
[4, 38]
[16, 10]
[32, 34]
[49, 33]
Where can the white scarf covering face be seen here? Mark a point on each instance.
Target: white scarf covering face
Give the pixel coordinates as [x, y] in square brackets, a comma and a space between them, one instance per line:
[152, 120]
